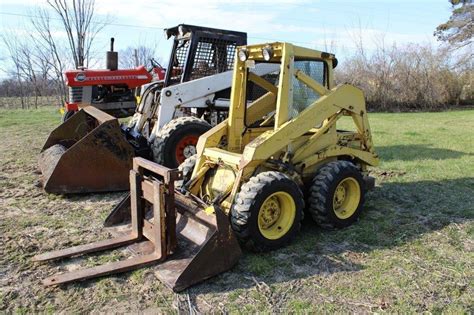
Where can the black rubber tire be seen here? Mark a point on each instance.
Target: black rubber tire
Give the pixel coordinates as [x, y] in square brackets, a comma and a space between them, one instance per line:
[187, 168]
[164, 145]
[67, 114]
[244, 212]
[321, 192]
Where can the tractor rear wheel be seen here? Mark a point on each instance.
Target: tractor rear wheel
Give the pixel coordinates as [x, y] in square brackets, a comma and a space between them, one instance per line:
[267, 212]
[177, 140]
[336, 196]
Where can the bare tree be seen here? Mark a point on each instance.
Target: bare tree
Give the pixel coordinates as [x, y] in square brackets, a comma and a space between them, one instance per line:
[408, 77]
[13, 48]
[81, 25]
[49, 49]
[135, 56]
[30, 73]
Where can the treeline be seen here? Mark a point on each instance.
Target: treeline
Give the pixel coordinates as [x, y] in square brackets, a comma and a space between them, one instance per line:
[412, 77]
[59, 36]
[394, 78]
[18, 93]
[15, 88]
[38, 57]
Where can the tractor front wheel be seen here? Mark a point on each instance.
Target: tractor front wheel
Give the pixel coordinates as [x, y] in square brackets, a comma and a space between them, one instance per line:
[177, 140]
[67, 114]
[268, 211]
[336, 195]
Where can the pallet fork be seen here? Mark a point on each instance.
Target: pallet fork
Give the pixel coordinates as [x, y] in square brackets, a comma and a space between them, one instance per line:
[187, 244]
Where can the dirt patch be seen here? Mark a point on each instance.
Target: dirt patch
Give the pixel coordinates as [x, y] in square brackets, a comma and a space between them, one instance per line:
[386, 174]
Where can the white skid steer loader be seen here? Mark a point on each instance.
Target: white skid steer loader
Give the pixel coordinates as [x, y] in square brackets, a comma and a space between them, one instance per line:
[91, 152]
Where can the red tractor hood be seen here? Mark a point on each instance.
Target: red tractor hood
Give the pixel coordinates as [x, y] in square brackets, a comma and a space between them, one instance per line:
[130, 77]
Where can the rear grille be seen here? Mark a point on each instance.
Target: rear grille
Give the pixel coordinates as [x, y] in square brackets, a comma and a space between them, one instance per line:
[75, 94]
[213, 56]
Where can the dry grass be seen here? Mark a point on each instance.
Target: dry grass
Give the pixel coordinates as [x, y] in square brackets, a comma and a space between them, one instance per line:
[412, 250]
[29, 102]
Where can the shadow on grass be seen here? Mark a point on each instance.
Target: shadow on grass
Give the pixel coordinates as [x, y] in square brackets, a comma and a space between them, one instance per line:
[394, 214]
[417, 152]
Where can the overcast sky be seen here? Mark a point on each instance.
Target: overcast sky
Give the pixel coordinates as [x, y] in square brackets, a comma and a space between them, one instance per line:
[323, 25]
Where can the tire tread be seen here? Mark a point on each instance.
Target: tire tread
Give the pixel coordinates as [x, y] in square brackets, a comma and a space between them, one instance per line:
[163, 135]
[319, 192]
[242, 208]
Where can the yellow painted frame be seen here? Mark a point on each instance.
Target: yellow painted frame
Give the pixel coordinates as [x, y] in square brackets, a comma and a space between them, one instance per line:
[320, 144]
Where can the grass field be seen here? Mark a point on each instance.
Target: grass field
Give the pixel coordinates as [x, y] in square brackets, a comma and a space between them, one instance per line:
[411, 251]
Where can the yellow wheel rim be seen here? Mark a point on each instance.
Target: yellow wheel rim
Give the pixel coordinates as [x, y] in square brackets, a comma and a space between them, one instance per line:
[276, 215]
[346, 198]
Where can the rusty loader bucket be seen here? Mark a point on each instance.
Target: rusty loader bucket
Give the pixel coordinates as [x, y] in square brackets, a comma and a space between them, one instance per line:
[187, 244]
[87, 153]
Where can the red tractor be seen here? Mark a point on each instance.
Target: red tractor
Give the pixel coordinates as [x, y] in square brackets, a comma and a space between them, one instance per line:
[111, 90]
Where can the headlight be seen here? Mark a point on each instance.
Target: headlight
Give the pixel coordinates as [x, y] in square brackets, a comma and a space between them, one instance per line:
[243, 54]
[267, 52]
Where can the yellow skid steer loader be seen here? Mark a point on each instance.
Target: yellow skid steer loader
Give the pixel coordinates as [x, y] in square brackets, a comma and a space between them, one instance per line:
[253, 175]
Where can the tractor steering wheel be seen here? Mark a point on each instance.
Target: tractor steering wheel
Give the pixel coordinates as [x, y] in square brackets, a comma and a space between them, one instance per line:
[154, 64]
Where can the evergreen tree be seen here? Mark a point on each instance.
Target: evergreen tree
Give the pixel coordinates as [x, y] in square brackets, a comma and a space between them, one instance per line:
[458, 30]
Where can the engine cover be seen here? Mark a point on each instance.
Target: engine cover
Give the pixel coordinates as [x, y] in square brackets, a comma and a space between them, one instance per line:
[132, 78]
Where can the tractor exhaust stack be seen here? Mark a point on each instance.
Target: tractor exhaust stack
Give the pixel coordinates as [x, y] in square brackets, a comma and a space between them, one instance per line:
[112, 57]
